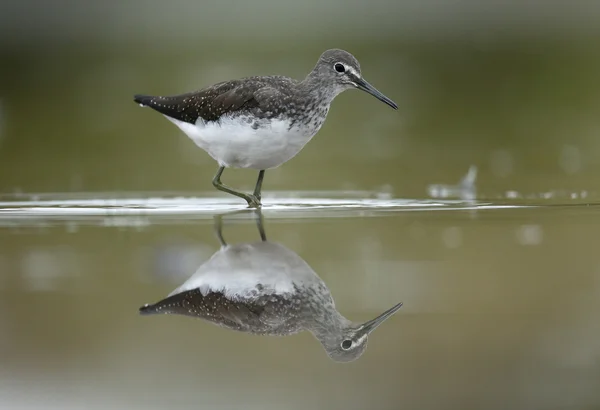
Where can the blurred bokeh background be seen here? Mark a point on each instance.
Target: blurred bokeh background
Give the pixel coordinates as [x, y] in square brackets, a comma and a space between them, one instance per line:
[509, 86]
[500, 306]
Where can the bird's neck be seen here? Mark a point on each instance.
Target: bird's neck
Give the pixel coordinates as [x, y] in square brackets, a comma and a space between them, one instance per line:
[314, 90]
[325, 325]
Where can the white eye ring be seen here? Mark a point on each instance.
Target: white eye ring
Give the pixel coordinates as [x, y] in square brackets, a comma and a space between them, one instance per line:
[346, 344]
[339, 68]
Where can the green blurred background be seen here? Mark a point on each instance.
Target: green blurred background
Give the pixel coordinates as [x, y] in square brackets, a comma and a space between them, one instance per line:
[500, 305]
[511, 87]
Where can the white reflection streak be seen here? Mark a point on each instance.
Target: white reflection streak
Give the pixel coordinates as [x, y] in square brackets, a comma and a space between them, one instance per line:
[141, 212]
[148, 206]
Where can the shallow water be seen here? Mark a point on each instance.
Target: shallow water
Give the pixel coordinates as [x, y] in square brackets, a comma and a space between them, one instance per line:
[20, 209]
[475, 204]
[500, 304]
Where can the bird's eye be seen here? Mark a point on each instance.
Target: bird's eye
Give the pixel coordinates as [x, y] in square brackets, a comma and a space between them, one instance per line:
[346, 344]
[339, 67]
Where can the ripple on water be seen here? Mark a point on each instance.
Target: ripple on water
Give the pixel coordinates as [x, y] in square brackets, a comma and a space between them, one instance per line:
[139, 209]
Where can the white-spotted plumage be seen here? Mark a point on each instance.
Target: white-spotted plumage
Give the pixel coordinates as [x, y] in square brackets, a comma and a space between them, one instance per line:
[238, 141]
[264, 288]
[261, 122]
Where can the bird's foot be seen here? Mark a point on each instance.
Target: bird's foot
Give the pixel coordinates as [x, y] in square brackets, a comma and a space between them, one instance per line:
[253, 201]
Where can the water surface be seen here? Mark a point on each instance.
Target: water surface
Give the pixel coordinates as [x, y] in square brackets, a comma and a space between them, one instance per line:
[500, 308]
[105, 206]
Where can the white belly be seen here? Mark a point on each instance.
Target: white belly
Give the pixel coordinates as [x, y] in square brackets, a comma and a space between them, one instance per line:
[237, 270]
[234, 143]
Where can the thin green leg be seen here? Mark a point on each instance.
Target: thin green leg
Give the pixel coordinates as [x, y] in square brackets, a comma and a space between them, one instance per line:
[218, 227]
[219, 222]
[258, 187]
[251, 199]
[260, 225]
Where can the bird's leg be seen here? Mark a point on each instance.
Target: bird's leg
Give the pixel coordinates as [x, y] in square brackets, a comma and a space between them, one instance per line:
[219, 230]
[251, 199]
[218, 223]
[258, 187]
[260, 225]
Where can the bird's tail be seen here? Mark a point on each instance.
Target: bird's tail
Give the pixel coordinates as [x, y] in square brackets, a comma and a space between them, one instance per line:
[150, 309]
[177, 304]
[144, 100]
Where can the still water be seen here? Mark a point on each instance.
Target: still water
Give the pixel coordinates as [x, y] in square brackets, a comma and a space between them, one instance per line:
[475, 204]
[500, 306]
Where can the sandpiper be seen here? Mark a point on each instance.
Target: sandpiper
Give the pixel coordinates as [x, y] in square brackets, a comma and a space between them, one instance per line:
[261, 122]
[265, 288]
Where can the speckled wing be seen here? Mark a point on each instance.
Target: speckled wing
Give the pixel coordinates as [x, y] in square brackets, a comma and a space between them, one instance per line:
[214, 307]
[213, 102]
[209, 104]
[269, 99]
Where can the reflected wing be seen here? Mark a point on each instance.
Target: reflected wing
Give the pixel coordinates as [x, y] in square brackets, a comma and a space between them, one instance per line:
[213, 306]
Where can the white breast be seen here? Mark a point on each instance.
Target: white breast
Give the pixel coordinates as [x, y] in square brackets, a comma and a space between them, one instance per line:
[234, 143]
[237, 270]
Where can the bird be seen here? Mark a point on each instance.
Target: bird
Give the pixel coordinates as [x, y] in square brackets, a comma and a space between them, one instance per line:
[261, 122]
[264, 288]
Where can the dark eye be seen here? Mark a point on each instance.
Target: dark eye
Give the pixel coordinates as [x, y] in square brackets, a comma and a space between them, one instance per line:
[339, 67]
[346, 344]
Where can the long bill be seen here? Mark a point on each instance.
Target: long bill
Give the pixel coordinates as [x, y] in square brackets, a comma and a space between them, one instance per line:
[363, 85]
[371, 325]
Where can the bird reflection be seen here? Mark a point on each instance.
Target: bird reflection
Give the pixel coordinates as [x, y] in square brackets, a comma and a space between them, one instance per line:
[265, 288]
